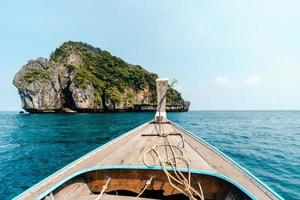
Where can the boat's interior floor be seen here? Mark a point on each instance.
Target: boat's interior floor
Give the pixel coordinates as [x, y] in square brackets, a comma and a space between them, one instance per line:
[128, 150]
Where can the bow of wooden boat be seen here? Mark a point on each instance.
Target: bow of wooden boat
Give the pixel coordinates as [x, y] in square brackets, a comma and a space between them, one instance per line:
[157, 160]
[123, 162]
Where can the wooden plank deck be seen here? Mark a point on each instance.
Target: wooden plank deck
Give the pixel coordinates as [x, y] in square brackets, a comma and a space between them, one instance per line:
[130, 148]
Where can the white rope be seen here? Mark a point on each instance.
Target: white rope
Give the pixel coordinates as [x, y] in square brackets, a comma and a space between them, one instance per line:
[178, 178]
[148, 182]
[103, 190]
[201, 191]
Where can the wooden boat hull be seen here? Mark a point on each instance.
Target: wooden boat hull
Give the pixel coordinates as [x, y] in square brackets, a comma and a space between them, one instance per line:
[121, 161]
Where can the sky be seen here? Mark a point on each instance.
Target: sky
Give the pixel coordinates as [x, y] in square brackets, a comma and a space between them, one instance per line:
[226, 55]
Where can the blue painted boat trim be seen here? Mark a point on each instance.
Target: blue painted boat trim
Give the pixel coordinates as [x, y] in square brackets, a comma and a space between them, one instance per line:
[230, 159]
[102, 146]
[203, 172]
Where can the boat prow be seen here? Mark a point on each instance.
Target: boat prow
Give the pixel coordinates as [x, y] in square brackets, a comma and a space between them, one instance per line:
[157, 160]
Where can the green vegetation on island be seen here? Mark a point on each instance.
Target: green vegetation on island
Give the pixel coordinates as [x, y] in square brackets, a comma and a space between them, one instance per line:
[110, 74]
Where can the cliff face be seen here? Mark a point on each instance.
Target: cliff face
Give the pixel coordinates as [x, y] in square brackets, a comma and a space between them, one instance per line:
[82, 78]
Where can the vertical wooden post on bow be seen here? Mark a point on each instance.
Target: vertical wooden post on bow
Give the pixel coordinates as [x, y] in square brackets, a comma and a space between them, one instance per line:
[161, 88]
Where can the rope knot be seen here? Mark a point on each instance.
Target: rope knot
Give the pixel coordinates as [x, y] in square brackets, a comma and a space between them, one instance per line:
[148, 182]
[187, 188]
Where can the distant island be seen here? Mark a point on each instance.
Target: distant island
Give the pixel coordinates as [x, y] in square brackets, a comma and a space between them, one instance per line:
[81, 78]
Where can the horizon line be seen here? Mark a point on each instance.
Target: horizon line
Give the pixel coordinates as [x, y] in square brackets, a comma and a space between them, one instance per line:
[191, 110]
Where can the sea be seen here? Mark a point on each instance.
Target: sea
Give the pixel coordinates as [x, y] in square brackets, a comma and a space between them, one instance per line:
[33, 146]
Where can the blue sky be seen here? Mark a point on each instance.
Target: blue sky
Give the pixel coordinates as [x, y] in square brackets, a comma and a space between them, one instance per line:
[227, 55]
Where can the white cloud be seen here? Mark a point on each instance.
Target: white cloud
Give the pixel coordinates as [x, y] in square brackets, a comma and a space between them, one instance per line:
[252, 81]
[221, 80]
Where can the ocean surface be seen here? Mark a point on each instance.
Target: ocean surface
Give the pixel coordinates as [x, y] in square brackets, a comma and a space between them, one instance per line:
[33, 146]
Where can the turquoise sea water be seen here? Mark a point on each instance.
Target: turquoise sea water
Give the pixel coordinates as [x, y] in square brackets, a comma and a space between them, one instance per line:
[32, 147]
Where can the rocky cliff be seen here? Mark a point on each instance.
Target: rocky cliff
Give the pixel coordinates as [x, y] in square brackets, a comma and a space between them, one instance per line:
[79, 77]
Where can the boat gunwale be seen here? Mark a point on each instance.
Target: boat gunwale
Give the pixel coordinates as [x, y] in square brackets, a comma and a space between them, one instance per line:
[82, 158]
[142, 167]
[235, 164]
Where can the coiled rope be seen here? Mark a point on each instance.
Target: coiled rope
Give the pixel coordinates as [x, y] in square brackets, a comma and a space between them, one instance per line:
[178, 178]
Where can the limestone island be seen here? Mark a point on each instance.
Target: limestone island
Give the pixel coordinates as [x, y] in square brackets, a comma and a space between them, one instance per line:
[81, 78]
